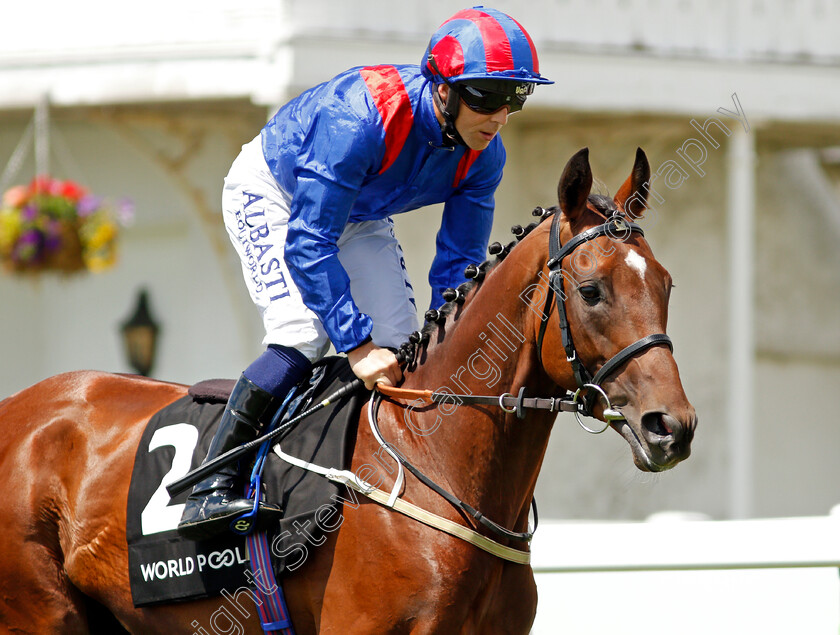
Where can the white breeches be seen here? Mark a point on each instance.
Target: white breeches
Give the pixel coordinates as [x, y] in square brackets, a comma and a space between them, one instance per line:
[256, 213]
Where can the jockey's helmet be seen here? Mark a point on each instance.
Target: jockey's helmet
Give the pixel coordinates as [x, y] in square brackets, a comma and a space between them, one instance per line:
[487, 58]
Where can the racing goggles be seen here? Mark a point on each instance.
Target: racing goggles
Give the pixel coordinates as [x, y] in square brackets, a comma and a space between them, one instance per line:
[487, 96]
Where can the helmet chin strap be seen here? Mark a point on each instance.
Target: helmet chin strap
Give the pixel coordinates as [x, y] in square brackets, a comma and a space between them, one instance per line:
[449, 110]
[451, 136]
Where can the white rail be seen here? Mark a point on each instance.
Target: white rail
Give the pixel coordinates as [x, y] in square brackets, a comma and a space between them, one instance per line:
[769, 576]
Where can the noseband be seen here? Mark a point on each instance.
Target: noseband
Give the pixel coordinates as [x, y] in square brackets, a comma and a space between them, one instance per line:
[615, 225]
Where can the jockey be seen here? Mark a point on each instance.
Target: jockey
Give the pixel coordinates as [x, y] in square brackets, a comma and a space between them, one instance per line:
[308, 206]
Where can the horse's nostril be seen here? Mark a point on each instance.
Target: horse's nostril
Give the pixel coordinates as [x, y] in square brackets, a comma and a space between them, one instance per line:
[654, 422]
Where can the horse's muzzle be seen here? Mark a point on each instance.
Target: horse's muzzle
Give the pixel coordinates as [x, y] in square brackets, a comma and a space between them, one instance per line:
[668, 438]
[658, 440]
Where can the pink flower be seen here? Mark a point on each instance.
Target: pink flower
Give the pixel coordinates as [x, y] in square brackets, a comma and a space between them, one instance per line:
[15, 196]
[41, 185]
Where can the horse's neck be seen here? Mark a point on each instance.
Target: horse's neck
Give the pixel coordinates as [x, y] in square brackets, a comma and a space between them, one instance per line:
[489, 458]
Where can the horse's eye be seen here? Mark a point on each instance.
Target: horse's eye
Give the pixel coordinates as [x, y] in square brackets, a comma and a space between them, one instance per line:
[590, 293]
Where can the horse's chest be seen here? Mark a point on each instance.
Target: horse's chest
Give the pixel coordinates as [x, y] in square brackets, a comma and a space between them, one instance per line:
[487, 596]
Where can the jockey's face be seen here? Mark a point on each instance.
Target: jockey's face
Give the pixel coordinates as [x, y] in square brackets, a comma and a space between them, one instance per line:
[476, 129]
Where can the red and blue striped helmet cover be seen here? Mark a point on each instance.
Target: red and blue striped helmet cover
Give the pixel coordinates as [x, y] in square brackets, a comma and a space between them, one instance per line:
[482, 43]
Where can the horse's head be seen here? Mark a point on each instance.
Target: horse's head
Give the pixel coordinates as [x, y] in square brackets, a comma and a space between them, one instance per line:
[615, 298]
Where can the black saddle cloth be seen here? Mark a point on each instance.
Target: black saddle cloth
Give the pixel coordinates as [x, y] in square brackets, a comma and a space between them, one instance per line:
[163, 567]
[310, 502]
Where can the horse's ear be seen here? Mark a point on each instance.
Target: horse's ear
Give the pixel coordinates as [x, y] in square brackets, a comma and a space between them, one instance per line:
[575, 185]
[632, 196]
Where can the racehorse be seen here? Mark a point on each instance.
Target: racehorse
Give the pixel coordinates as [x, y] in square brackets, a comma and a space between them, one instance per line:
[69, 444]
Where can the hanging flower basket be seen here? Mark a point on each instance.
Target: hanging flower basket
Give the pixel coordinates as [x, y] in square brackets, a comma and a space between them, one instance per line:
[52, 225]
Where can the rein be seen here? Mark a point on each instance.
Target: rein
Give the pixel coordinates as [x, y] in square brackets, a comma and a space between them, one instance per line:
[376, 400]
[508, 402]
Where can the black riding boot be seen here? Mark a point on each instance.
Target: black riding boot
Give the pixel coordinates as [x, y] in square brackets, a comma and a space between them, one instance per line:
[216, 500]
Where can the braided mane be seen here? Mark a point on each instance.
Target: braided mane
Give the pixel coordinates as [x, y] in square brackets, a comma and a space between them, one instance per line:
[435, 318]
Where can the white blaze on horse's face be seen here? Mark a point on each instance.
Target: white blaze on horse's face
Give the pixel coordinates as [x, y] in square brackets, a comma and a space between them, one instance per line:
[637, 262]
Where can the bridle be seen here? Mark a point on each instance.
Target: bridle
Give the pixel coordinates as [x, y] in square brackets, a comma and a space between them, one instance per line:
[580, 402]
[614, 226]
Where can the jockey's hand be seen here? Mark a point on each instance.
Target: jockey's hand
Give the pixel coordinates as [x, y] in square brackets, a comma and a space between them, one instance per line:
[373, 364]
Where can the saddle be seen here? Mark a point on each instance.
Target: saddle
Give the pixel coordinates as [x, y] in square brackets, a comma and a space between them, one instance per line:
[163, 567]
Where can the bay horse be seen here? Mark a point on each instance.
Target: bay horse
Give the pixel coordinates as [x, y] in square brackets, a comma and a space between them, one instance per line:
[68, 446]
